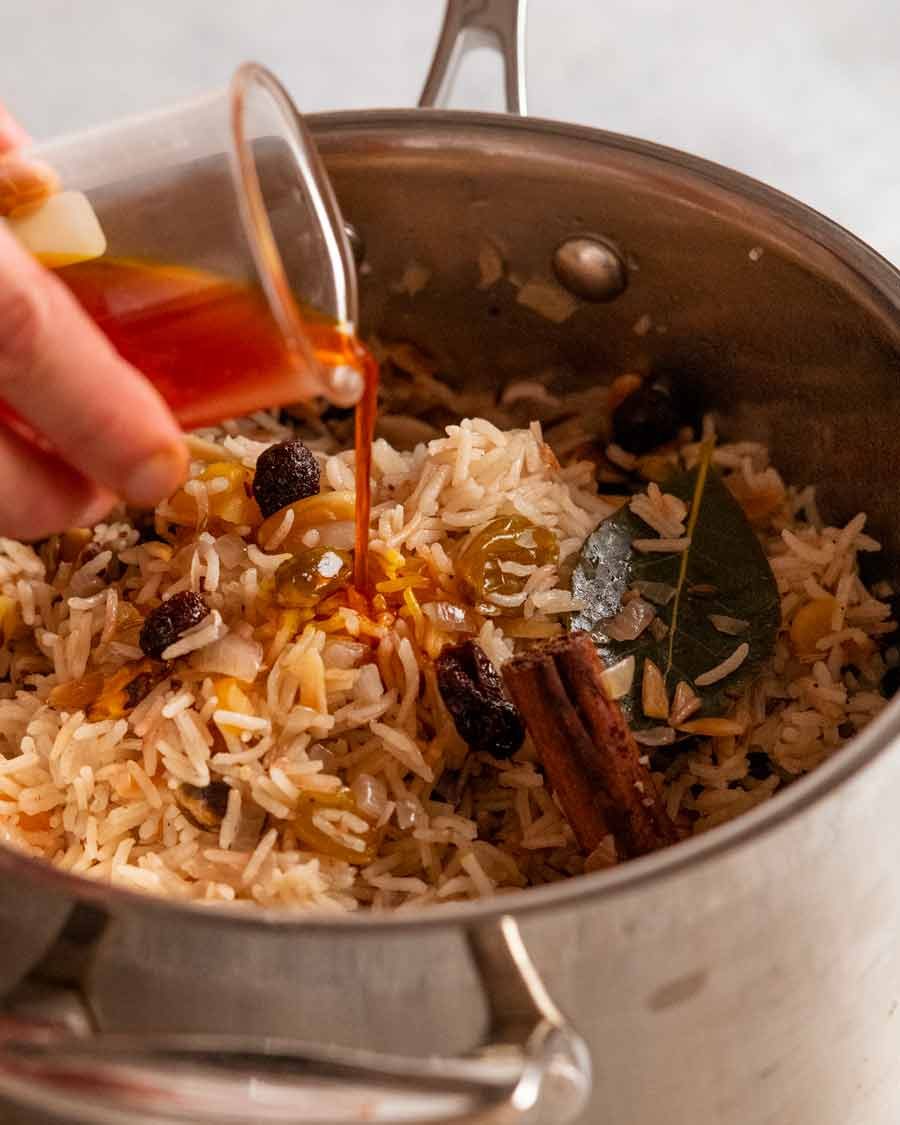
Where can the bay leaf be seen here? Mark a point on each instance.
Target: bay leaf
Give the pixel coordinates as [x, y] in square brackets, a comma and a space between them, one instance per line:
[724, 571]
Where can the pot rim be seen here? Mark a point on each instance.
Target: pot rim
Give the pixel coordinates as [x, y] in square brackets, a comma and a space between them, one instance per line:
[876, 738]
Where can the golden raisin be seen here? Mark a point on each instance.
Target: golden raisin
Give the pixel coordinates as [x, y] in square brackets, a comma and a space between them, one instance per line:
[315, 511]
[505, 540]
[75, 695]
[311, 575]
[307, 832]
[811, 623]
[124, 690]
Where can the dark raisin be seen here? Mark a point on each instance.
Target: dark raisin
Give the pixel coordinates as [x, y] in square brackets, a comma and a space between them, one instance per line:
[166, 623]
[890, 682]
[206, 807]
[144, 523]
[284, 473]
[759, 765]
[649, 417]
[662, 758]
[473, 693]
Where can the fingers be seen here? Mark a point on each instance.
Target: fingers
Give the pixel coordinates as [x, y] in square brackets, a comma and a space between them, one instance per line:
[113, 433]
[12, 135]
[41, 494]
[62, 375]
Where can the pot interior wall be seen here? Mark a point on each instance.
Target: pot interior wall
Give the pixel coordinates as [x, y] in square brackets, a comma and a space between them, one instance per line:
[756, 301]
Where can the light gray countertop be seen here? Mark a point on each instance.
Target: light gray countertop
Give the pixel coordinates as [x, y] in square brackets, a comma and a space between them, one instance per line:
[799, 93]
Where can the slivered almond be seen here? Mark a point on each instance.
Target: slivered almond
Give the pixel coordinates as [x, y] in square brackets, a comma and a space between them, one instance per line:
[654, 698]
[713, 728]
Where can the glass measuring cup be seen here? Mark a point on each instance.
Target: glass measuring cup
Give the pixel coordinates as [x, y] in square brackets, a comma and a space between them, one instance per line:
[206, 242]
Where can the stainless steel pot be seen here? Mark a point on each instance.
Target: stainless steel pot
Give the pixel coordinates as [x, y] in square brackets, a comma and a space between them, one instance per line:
[745, 977]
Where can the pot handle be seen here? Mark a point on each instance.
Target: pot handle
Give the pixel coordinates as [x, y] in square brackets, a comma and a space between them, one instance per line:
[534, 1067]
[471, 23]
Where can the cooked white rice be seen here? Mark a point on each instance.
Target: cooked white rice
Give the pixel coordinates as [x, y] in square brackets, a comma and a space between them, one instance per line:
[331, 717]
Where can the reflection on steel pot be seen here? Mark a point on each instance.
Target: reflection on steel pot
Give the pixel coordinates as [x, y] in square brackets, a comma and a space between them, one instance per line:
[744, 977]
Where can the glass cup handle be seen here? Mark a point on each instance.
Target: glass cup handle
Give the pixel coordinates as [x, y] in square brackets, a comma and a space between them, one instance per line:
[534, 1067]
[470, 23]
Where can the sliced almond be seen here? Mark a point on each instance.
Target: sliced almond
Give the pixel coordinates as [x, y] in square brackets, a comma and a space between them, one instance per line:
[654, 698]
[616, 681]
[685, 703]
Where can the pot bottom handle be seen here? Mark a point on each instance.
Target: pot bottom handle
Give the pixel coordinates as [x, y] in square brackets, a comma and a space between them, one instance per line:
[535, 1068]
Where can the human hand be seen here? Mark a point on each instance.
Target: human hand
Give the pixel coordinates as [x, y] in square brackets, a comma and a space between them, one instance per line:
[111, 432]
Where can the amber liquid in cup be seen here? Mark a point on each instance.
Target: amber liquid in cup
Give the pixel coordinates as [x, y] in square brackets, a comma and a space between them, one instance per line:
[208, 344]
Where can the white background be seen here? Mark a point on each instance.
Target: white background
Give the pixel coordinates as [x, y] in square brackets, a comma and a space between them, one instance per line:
[800, 93]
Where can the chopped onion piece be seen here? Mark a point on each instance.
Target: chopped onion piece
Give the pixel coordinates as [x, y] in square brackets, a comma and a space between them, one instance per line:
[370, 795]
[231, 655]
[343, 654]
[368, 687]
[409, 813]
[324, 754]
[340, 535]
[231, 549]
[630, 622]
[617, 680]
[447, 615]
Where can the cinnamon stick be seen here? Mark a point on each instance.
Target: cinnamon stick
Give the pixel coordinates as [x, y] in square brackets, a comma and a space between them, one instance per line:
[587, 749]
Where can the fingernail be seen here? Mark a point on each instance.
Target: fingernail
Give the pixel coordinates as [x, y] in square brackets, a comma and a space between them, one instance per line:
[156, 477]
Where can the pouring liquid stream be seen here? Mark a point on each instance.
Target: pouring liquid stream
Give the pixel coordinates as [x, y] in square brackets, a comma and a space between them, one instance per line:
[213, 350]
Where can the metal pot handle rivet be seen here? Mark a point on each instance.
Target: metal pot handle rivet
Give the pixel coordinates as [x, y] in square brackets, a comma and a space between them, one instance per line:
[590, 268]
[534, 1067]
[470, 23]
